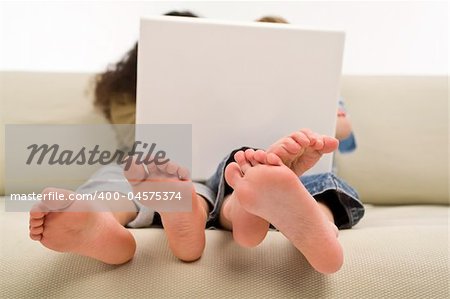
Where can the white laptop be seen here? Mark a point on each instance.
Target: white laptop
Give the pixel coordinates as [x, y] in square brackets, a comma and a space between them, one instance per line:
[238, 84]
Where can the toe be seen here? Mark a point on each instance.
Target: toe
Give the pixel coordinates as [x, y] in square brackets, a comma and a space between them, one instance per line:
[36, 222]
[56, 199]
[278, 149]
[311, 136]
[330, 144]
[273, 159]
[172, 168]
[242, 161]
[35, 237]
[315, 140]
[233, 174]
[260, 157]
[300, 138]
[291, 146]
[37, 230]
[239, 157]
[161, 166]
[153, 171]
[38, 211]
[250, 157]
[135, 173]
[319, 142]
[183, 173]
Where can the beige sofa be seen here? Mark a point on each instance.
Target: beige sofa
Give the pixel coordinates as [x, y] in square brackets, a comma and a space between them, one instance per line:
[399, 249]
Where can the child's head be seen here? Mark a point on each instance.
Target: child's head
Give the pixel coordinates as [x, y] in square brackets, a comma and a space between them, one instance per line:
[272, 19]
[115, 89]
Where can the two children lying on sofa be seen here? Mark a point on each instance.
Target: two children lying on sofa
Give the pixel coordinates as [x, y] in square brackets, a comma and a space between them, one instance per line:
[250, 190]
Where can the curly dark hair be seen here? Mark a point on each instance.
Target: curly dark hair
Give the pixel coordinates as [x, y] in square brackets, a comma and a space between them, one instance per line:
[120, 77]
[272, 19]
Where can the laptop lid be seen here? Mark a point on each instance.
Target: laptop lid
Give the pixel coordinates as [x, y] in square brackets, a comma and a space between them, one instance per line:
[238, 84]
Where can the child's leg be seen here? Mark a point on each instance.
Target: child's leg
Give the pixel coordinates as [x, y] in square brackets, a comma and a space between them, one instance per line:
[86, 232]
[185, 230]
[274, 192]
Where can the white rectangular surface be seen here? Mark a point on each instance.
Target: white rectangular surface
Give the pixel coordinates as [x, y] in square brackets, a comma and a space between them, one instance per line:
[237, 83]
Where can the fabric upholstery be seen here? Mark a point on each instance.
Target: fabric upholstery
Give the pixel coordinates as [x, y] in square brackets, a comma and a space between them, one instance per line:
[395, 252]
[401, 125]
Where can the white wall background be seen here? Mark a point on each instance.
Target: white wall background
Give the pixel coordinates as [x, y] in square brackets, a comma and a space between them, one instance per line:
[382, 37]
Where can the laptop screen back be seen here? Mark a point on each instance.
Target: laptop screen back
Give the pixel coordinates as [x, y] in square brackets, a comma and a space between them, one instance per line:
[238, 84]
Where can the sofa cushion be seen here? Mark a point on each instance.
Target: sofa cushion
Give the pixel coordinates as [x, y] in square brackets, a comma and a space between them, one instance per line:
[401, 128]
[399, 252]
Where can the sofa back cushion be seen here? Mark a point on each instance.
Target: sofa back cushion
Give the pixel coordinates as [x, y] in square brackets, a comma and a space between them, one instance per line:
[44, 98]
[400, 123]
[401, 127]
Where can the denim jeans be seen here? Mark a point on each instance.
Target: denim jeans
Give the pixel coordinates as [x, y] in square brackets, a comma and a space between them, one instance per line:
[327, 188]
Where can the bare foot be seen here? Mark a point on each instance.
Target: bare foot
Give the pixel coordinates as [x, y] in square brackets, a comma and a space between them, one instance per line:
[302, 149]
[94, 234]
[299, 151]
[274, 193]
[185, 230]
[248, 230]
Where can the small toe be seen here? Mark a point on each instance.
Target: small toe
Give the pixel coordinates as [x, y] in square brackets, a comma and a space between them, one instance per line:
[330, 144]
[35, 222]
[38, 211]
[311, 136]
[319, 143]
[37, 230]
[233, 174]
[250, 157]
[239, 157]
[172, 168]
[62, 196]
[291, 146]
[183, 173]
[260, 157]
[273, 159]
[242, 161]
[300, 138]
[35, 237]
[162, 167]
[135, 173]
